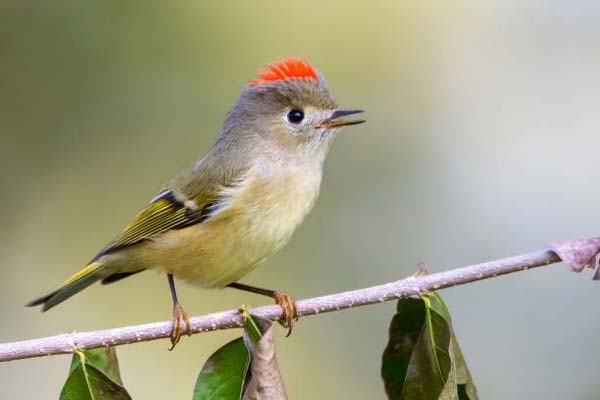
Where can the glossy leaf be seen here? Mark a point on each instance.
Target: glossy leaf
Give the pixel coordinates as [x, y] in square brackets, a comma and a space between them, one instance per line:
[224, 374]
[422, 359]
[245, 368]
[94, 375]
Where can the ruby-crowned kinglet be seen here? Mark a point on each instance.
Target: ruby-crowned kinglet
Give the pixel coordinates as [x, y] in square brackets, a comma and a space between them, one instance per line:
[214, 223]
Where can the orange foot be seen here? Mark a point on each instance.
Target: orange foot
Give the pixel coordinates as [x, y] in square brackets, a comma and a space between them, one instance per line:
[180, 318]
[290, 311]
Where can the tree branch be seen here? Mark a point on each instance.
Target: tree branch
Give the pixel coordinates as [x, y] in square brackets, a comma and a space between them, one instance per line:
[66, 343]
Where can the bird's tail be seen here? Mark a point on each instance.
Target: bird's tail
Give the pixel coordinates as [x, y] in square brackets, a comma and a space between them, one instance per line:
[92, 273]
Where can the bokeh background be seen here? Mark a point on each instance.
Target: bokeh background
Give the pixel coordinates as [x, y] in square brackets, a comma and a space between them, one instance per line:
[481, 142]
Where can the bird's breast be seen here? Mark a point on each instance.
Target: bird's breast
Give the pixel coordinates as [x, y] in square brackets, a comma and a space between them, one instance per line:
[259, 217]
[275, 205]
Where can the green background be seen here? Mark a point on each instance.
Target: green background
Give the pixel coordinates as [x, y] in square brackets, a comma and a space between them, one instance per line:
[481, 142]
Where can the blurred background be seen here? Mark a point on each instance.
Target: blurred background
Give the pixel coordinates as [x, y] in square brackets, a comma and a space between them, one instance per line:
[481, 142]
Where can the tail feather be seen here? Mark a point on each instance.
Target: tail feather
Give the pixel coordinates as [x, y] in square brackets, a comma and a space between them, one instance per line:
[84, 278]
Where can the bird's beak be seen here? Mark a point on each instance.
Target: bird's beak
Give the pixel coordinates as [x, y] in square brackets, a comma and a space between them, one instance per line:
[334, 120]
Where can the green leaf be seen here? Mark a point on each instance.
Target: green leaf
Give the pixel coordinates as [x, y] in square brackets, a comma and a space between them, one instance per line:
[250, 325]
[422, 359]
[244, 368]
[464, 381]
[224, 374]
[94, 375]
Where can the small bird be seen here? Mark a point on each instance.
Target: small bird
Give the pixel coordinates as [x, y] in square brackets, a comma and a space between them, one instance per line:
[239, 204]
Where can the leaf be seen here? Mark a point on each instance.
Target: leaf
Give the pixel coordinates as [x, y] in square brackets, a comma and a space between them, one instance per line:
[224, 374]
[244, 368]
[464, 381]
[422, 359]
[251, 327]
[579, 253]
[94, 375]
[265, 381]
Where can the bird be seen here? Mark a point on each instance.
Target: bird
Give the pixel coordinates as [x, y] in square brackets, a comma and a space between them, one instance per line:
[239, 204]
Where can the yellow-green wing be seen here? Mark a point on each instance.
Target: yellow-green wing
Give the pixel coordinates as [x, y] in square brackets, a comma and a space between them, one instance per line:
[164, 213]
[199, 195]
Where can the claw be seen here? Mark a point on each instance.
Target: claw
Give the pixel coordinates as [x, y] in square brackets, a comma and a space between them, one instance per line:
[180, 318]
[290, 311]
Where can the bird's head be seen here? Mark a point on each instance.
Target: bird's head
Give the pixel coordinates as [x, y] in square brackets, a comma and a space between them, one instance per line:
[289, 104]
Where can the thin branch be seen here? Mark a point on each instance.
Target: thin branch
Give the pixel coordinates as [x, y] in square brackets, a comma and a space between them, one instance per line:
[66, 343]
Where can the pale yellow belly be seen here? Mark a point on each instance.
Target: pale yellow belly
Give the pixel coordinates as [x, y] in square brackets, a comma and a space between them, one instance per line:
[226, 247]
[213, 256]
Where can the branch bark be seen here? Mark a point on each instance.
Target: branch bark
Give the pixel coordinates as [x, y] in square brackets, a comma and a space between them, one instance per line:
[411, 286]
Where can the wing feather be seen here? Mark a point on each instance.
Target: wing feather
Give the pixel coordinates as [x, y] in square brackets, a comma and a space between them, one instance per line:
[164, 213]
[202, 191]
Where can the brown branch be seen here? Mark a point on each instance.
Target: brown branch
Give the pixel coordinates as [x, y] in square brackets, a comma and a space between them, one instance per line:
[66, 343]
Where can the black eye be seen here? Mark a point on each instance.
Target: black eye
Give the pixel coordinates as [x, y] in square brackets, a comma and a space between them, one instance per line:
[295, 116]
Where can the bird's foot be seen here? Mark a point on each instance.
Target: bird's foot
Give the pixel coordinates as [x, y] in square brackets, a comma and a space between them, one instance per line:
[181, 324]
[290, 311]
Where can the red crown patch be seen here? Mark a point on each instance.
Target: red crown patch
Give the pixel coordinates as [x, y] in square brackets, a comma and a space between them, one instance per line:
[286, 69]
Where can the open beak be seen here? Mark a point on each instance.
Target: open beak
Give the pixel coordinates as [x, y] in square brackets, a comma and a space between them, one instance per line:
[334, 120]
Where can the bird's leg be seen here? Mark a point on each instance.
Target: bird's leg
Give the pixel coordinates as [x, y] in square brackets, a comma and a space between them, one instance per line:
[180, 317]
[290, 312]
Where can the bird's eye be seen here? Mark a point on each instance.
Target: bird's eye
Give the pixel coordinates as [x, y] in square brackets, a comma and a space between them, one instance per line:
[295, 116]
